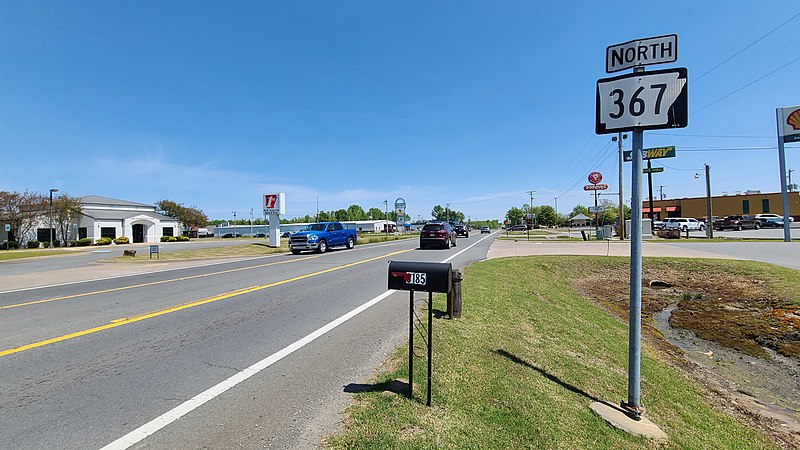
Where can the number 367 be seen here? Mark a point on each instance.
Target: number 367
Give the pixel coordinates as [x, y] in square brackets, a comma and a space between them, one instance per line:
[636, 104]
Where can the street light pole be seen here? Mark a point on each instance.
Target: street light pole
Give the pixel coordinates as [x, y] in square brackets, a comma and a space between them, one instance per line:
[710, 225]
[386, 215]
[234, 223]
[50, 231]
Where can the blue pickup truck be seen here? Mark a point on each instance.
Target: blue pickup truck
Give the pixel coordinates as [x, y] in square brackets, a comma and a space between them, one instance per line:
[321, 236]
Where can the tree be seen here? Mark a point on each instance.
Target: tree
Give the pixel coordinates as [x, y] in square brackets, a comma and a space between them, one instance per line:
[23, 212]
[376, 214]
[546, 215]
[579, 209]
[188, 216]
[324, 217]
[340, 215]
[66, 211]
[515, 215]
[356, 212]
[439, 213]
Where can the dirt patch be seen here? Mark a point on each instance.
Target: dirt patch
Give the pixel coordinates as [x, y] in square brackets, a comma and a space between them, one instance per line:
[729, 329]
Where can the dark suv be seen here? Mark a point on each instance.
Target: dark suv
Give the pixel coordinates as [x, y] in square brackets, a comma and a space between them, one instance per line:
[461, 230]
[739, 223]
[439, 234]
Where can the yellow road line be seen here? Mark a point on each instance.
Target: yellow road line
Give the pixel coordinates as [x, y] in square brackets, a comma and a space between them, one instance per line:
[154, 283]
[127, 320]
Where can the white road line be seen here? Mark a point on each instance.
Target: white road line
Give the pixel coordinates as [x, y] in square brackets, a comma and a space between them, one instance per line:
[195, 402]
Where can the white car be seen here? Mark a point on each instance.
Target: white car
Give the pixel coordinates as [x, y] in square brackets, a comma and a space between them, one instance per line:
[684, 224]
[770, 216]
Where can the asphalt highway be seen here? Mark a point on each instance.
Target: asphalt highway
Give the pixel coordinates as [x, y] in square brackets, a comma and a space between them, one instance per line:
[245, 354]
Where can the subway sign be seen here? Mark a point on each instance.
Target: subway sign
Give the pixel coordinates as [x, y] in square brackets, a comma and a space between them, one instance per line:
[651, 153]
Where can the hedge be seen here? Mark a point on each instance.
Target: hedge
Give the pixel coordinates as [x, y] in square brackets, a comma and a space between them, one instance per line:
[103, 241]
[122, 240]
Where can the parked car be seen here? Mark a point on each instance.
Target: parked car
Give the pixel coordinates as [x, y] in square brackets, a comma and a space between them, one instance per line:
[461, 230]
[231, 235]
[259, 235]
[439, 234]
[684, 224]
[518, 228]
[771, 222]
[287, 234]
[759, 217]
[485, 230]
[657, 225]
[739, 223]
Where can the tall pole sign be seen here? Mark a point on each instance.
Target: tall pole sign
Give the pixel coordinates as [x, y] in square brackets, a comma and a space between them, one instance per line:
[400, 212]
[788, 131]
[637, 102]
[274, 205]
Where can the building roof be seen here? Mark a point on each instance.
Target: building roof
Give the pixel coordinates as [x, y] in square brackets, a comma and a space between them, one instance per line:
[100, 200]
[581, 217]
[115, 214]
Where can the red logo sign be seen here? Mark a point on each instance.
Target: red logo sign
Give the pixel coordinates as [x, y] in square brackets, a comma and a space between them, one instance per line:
[595, 177]
[270, 201]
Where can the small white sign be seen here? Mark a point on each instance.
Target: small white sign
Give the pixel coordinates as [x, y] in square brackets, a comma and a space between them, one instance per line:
[789, 123]
[642, 52]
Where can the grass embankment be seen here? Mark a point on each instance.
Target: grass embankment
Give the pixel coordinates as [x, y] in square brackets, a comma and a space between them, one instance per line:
[521, 367]
[7, 255]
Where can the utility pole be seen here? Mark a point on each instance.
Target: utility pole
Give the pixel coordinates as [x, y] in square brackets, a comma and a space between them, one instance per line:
[791, 186]
[316, 219]
[661, 193]
[234, 223]
[619, 138]
[386, 215]
[447, 212]
[710, 224]
[530, 208]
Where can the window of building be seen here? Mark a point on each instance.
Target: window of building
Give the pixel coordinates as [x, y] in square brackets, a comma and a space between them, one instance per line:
[82, 233]
[108, 232]
[745, 206]
[765, 205]
[167, 231]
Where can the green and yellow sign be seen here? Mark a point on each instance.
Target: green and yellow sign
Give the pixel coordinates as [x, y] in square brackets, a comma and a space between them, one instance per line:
[651, 153]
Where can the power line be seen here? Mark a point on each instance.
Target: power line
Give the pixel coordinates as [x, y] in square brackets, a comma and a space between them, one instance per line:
[746, 85]
[746, 47]
[712, 136]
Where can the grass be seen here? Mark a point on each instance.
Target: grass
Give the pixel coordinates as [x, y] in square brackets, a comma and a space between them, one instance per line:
[520, 368]
[7, 255]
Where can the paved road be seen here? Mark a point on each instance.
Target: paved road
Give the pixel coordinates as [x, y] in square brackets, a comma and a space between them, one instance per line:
[85, 364]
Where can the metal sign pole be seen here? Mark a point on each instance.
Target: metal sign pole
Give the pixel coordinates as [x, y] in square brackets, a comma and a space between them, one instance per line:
[430, 344]
[635, 317]
[787, 235]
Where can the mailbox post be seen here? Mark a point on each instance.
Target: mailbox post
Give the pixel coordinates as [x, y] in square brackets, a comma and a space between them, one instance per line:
[420, 276]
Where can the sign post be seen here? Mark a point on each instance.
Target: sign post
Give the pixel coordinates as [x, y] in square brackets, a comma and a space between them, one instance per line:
[400, 212]
[274, 205]
[637, 102]
[788, 131]
[595, 178]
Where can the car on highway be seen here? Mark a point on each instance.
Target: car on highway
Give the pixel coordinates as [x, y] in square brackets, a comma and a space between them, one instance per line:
[739, 223]
[485, 230]
[321, 236]
[518, 228]
[461, 230]
[438, 234]
[684, 224]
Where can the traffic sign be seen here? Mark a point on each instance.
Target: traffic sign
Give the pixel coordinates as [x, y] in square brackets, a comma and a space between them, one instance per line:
[652, 170]
[642, 101]
[651, 153]
[642, 52]
[597, 209]
[595, 177]
[595, 187]
[8, 227]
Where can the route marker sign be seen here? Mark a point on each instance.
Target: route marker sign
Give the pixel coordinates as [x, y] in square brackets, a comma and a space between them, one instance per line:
[642, 52]
[642, 101]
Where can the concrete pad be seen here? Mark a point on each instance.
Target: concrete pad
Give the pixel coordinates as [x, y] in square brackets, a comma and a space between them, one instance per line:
[617, 418]
[506, 248]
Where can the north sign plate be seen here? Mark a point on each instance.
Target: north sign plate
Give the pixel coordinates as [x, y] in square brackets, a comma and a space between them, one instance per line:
[642, 101]
[642, 52]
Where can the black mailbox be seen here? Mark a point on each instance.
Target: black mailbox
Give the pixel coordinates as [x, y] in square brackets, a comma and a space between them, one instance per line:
[420, 276]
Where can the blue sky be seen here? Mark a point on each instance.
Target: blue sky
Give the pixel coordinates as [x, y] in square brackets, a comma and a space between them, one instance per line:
[463, 102]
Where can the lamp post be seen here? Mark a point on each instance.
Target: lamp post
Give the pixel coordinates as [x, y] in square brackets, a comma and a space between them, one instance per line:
[50, 232]
[710, 223]
[234, 224]
[386, 215]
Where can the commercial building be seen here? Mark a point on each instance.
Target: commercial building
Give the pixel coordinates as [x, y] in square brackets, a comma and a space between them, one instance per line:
[748, 202]
[112, 218]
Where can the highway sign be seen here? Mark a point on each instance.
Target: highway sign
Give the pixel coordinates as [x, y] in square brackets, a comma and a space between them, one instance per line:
[595, 177]
[651, 153]
[652, 170]
[595, 187]
[642, 101]
[642, 52]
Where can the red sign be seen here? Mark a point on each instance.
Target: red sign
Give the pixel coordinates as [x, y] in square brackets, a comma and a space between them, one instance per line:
[270, 201]
[595, 187]
[595, 177]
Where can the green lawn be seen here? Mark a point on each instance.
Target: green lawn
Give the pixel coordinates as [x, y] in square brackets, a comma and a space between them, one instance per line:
[521, 367]
[6, 255]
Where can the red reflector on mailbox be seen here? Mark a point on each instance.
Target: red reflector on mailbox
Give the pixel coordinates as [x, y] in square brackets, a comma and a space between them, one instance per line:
[420, 276]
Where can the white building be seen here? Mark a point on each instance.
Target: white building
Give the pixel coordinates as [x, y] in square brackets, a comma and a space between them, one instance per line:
[112, 218]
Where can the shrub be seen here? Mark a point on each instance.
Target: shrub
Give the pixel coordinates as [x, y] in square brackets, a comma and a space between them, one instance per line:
[83, 242]
[46, 244]
[103, 241]
[8, 245]
[182, 238]
[72, 244]
[122, 240]
[34, 244]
